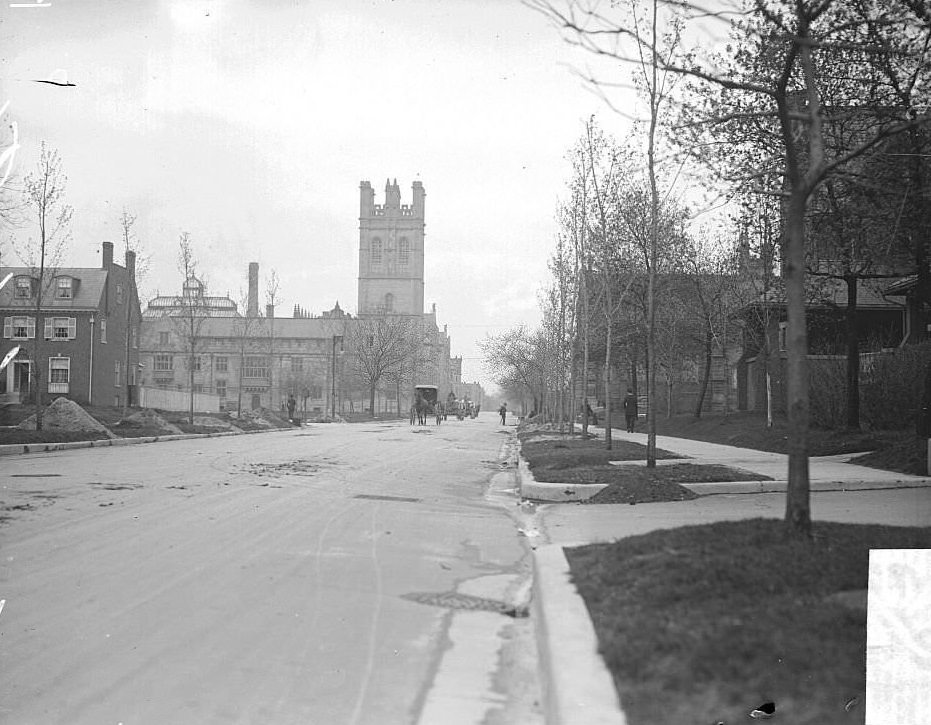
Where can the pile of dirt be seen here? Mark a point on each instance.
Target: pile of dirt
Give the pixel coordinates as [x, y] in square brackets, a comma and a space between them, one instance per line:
[251, 420]
[149, 420]
[66, 415]
[277, 420]
[208, 421]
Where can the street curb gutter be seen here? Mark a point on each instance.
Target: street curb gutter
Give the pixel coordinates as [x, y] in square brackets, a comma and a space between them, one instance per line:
[578, 687]
[13, 449]
[707, 489]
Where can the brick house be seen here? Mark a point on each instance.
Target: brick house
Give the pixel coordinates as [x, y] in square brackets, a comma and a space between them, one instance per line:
[86, 332]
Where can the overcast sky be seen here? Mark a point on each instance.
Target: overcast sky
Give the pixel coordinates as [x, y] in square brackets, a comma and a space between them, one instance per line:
[250, 124]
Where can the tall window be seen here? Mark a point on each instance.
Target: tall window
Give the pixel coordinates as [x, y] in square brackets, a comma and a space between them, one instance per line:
[255, 367]
[193, 363]
[221, 363]
[134, 335]
[59, 374]
[404, 251]
[119, 293]
[116, 373]
[103, 330]
[60, 328]
[164, 362]
[19, 328]
[297, 364]
[376, 251]
[389, 302]
[221, 388]
[23, 288]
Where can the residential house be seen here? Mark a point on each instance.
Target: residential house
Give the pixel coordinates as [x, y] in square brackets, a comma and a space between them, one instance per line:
[83, 343]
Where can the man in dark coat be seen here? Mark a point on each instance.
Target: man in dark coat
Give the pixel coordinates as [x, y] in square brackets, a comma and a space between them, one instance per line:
[630, 410]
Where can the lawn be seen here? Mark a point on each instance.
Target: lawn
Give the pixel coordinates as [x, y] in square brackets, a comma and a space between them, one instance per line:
[574, 459]
[891, 450]
[701, 624]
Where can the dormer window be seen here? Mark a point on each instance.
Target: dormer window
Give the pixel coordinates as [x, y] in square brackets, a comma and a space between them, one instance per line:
[64, 288]
[23, 288]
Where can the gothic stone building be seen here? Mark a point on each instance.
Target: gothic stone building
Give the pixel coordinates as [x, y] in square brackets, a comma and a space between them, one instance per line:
[251, 361]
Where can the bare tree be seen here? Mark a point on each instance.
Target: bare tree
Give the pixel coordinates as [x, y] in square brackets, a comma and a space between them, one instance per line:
[43, 195]
[192, 313]
[377, 344]
[245, 331]
[272, 285]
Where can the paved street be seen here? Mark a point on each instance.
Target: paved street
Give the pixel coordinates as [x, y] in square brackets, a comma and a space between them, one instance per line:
[287, 577]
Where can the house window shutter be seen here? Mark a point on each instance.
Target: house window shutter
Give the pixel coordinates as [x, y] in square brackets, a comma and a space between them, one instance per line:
[30, 328]
[48, 328]
[7, 327]
[72, 328]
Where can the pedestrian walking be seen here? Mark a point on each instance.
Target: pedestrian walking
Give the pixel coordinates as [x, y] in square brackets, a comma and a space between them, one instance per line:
[590, 414]
[630, 410]
[292, 403]
[503, 411]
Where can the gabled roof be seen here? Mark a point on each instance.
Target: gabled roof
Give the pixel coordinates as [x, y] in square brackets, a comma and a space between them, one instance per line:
[87, 294]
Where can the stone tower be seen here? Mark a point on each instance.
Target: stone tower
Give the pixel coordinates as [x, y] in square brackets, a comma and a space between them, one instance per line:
[391, 240]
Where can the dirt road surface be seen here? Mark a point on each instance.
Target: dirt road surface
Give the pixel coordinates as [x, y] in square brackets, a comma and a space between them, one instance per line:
[332, 574]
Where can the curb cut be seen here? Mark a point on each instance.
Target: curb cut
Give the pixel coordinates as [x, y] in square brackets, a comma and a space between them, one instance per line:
[13, 449]
[578, 687]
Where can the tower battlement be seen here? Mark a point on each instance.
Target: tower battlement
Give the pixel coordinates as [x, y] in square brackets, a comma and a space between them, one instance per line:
[392, 207]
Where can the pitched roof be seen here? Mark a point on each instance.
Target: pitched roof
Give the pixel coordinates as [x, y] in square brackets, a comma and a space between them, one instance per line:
[86, 295]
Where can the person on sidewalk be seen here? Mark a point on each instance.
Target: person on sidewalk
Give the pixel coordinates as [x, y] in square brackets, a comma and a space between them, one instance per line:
[503, 410]
[590, 414]
[292, 404]
[630, 410]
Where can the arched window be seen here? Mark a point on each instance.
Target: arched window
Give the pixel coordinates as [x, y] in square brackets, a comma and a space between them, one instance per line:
[389, 302]
[376, 251]
[404, 251]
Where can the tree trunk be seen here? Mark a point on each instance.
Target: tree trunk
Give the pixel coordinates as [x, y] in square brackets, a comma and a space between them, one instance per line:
[607, 388]
[853, 355]
[706, 374]
[798, 508]
[372, 400]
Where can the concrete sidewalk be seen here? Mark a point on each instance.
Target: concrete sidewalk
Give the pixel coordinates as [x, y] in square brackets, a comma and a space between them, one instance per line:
[580, 689]
[827, 473]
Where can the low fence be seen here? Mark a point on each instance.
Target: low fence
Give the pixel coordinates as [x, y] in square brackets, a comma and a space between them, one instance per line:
[178, 400]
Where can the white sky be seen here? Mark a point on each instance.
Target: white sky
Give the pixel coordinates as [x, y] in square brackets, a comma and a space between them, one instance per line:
[250, 124]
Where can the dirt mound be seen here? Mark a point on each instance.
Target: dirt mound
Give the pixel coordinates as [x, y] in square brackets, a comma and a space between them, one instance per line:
[66, 415]
[208, 421]
[150, 419]
[277, 420]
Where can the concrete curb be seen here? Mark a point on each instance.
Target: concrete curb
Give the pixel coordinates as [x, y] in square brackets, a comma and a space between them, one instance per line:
[578, 688]
[535, 490]
[13, 449]
[707, 489]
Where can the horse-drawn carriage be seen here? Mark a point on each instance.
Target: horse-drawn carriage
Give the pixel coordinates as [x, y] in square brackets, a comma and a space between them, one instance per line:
[426, 402]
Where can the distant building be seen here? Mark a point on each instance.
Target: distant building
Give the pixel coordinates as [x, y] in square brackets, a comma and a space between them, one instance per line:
[89, 323]
[249, 360]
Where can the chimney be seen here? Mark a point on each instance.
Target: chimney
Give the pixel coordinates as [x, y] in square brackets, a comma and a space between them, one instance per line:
[269, 311]
[107, 255]
[252, 306]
